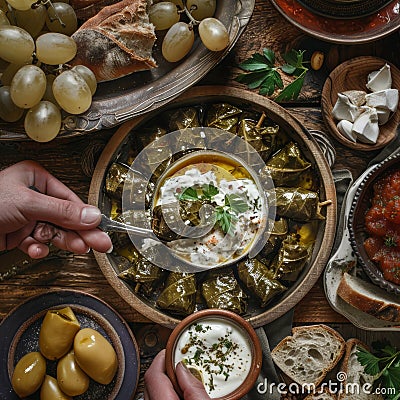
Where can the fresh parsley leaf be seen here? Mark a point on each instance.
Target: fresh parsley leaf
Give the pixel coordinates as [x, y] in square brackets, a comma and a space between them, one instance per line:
[368, 361]
[384, 365]
[262, 73]
[203, 192]
[237, 203]
[291, 91]
[189, 193]
[209, 191]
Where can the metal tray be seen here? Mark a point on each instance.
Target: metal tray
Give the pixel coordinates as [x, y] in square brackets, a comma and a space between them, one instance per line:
[123, 99]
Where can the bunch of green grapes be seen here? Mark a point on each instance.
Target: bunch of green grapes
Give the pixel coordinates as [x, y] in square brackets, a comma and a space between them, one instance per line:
[179, 38]
[36, 84]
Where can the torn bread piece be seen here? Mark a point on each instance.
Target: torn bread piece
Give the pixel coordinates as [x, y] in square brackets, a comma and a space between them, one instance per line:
[308, 355]
[117, 41]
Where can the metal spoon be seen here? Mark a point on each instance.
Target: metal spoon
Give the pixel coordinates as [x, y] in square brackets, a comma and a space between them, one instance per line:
[109, 225]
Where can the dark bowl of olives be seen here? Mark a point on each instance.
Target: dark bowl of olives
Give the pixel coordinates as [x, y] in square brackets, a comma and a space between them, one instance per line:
[374, 224]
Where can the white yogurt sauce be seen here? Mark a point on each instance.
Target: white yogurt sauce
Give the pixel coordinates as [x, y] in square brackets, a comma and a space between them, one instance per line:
[216, 246]
[220, 350]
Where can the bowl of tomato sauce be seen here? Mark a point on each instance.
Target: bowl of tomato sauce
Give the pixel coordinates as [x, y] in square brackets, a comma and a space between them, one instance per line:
[374, 224]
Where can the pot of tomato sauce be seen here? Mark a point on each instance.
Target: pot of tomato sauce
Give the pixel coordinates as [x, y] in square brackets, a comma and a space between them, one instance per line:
[374, 224]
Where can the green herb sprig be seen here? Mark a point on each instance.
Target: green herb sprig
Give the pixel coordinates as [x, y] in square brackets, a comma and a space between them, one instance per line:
[384, 365]
[262, 73]
[226, 215]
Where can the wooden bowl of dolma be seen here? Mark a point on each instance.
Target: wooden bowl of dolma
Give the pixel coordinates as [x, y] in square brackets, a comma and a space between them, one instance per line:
[300, 239]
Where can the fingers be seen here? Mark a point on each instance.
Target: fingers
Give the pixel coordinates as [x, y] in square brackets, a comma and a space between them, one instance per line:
[97, 240]
[191, 387]
[33, 248]
[65, 213]
[157, 384]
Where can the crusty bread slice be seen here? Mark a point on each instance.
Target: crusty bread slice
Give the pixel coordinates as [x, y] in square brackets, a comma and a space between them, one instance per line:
[325, 395]
[369, 298]
[117, 41]
[356, 377]
[308, 355]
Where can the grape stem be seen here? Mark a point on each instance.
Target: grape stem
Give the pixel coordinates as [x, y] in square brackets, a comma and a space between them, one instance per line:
[49, 4]
[193, 21]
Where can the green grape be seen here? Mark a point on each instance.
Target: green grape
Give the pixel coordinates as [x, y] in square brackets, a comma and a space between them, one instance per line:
[163, 15]
[3, 18]
[31, 20]
[72, 92]
[176, 2]
[177, 42]
[28, 86]
[64, 12]
[213, 34]
[43, 122]
[201, 9]
[87, 74]
[22, 5]
[55, 48]
[9, 112]
[16, 44]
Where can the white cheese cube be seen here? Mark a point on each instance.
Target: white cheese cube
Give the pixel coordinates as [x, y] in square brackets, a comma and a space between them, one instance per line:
[380, 80]
[344, 109]
[388, 98]
[366, 126]
[346, 129]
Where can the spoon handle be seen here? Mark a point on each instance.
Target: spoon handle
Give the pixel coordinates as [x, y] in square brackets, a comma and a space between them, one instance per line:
[109, 225]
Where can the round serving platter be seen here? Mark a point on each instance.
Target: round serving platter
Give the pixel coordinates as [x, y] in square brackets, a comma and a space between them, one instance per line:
[122, 99]
[342, 31]
[247, 101]
[19, 332]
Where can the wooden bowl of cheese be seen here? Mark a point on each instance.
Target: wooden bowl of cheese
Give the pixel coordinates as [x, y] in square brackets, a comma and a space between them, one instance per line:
[360, 103]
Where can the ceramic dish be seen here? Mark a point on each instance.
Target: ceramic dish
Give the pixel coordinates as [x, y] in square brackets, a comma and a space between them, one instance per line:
[20, 333]
[345, 31]
[344, 9]
[125, 98]
[361, 203]
[352, 75]
[202, 97]
[215, 328]
[344, 259]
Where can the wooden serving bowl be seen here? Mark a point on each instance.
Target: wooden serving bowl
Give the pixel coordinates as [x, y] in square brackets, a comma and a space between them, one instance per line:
[361, 204]
[219, 317]
[353, 75]
[251, 102]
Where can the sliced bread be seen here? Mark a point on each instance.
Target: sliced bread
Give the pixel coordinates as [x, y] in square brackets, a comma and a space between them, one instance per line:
[356, 377]
[369, 298]
[325, 395]
[308, 355]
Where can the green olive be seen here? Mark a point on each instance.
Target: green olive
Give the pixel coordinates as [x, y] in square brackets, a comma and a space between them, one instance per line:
[70, 377]
[51, 391]
[57, 333]
[95, 355]
[28, 374]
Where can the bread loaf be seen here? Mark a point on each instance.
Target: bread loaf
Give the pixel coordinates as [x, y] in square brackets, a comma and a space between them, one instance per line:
[117, 41]
[356, 377]
[369, 298]
[308, 355]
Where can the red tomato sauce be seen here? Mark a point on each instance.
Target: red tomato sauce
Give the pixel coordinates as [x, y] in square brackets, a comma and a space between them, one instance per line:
[382, 222]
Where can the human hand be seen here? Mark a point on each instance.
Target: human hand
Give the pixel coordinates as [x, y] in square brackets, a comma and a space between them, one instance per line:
[158, 386]
[31, 220]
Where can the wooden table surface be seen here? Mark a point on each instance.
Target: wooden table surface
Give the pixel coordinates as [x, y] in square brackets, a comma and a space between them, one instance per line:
[72, 161]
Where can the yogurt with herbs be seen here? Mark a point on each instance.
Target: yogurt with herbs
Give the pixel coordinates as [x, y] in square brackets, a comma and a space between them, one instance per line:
[218, 352]
[235, 201]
